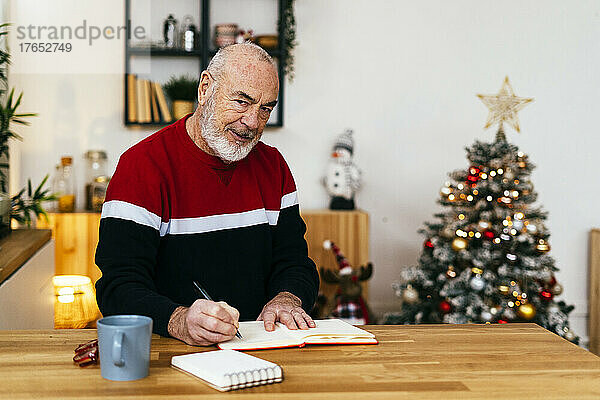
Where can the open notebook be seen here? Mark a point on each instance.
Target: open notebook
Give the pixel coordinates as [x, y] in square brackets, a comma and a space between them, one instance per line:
[328, 331]
[228, 369]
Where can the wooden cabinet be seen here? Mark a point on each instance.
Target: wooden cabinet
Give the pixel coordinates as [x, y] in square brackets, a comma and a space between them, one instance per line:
[349, 230]
[76, 237]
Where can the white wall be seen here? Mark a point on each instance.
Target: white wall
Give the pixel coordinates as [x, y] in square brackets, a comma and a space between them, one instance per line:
[403, 75]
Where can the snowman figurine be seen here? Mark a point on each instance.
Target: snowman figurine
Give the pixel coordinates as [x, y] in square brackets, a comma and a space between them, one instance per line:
[343, 177]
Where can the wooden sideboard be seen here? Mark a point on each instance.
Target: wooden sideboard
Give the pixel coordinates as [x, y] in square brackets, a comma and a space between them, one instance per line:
[76, 237]
[348, 229]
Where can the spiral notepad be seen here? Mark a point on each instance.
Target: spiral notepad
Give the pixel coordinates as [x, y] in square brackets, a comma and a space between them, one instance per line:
[228, 369]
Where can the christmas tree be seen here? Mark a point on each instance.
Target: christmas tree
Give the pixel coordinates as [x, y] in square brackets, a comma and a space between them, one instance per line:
[485, 257]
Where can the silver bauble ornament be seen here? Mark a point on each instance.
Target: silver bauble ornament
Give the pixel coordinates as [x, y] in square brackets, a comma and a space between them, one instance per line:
[449, 232]
[531, 228]
[484, 225]
[546, 276]
[553, 309]
[509, 314]
[486, 316]
[477, 283]
[518, 224]
[557, 289]
[569, 335]
[410, 295]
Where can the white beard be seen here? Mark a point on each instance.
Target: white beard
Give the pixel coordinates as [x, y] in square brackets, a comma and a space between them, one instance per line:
[217, 140]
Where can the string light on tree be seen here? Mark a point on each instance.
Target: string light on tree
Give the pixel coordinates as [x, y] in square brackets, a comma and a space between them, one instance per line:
[570, 336]
[451, 273]
[542, 246]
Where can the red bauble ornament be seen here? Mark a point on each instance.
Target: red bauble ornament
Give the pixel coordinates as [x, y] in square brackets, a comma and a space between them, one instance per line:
[552, 281]
[546, 295]
[445, 307]
[501, 321]
[473, 175]
[428, 244]
[488, 235]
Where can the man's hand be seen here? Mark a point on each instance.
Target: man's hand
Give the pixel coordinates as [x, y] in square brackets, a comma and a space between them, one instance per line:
[286, 308]
[204, 323]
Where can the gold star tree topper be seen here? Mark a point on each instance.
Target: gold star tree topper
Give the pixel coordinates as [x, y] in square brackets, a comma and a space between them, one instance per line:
[504, 106]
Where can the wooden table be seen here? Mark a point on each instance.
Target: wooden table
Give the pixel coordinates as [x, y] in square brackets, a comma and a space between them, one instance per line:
[509, 361]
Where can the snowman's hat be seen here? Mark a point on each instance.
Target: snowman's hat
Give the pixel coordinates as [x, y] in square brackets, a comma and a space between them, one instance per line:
[345, 141]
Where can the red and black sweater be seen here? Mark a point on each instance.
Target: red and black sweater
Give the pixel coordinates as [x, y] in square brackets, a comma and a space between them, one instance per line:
[174, 214]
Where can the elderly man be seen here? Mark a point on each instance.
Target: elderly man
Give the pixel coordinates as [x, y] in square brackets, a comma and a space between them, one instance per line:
[203, 200]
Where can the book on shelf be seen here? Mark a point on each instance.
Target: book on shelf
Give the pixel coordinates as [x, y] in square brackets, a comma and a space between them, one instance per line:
[154, 103]
[140, 97]
[131, 98]
[162, 103]
[228, 369]
[328, 331]
[146, 101]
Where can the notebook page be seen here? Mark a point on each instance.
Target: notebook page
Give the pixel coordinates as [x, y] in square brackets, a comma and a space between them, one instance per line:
[255, 337]
[329, 329]
[228, 369]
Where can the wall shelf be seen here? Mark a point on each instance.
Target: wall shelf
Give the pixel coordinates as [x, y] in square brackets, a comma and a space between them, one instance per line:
[157, 51]
[203, 54]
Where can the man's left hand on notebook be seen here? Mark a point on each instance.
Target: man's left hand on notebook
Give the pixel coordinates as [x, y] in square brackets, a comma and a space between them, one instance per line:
[287, 309]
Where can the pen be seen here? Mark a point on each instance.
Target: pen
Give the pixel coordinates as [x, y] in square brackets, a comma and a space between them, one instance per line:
[203, 293]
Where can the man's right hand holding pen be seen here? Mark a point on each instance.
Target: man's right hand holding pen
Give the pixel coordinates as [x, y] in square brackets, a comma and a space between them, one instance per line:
[204, 323]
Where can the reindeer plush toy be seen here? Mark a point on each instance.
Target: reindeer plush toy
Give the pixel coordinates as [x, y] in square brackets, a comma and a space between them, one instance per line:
[349, 303]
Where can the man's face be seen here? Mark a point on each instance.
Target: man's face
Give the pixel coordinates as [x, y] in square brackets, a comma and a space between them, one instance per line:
[235, 114]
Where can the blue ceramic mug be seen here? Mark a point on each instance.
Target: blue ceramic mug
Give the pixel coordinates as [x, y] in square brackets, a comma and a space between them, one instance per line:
[124, 346]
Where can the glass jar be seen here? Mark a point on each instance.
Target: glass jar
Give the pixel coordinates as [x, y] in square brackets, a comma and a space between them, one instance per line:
[170, 32]
[98, 192]
[64, 185]
[95, 167]
[188, 35]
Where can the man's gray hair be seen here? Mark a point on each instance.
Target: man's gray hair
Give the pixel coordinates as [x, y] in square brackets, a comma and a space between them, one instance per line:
[216, 67]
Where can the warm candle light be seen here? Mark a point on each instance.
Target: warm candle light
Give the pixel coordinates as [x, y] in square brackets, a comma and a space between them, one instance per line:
[75, 305]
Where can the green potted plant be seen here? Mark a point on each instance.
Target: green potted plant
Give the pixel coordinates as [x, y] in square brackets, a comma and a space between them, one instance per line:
[182, 91]
[26, 202]
[289, 38]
